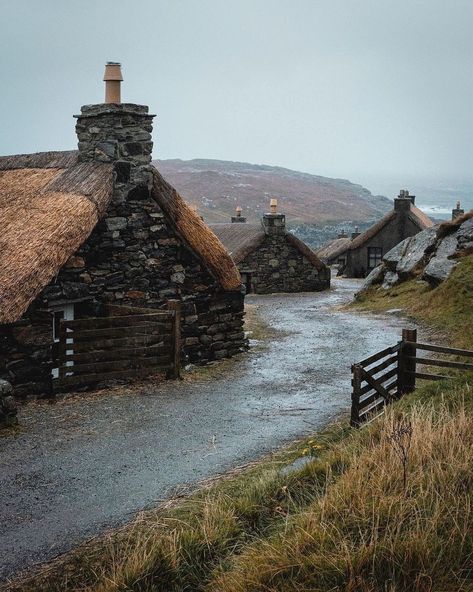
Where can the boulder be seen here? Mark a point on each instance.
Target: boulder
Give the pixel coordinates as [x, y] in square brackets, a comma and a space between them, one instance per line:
[374, 277]
[441, 265]
[415, 252]
[392, 257]
[438, 270]
[390, 279]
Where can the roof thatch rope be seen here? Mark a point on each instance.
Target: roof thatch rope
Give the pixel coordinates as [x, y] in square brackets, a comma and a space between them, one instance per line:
[198, 236]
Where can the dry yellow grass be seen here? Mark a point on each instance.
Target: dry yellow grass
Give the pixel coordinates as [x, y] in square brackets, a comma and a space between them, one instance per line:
[366, 533]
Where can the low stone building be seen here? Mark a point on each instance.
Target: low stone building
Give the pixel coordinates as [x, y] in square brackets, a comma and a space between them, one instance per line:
[365, 250]
[270, 258]
[99, 226]
[334, 252]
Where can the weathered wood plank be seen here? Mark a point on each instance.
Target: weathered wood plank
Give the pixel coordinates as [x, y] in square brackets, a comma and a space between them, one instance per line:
[111, 365]
[112, 322]
[443, 363]
[131, 341]
[391, 360]
[124, 310]
[367, 399]
[119, 332]
[443, 350]
[379, 355]
[120, 353]
[376, 384]
[425, 376]
[383, 378]
[374, 407]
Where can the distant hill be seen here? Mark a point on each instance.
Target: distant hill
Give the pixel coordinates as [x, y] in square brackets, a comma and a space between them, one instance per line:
[216, 187]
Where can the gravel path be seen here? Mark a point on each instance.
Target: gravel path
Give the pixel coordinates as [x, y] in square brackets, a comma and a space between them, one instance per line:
[86, 463]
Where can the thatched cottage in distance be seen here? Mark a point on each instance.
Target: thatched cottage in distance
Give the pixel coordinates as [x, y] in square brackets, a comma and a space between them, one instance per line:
[270, 258]
[365, 250]
[85, 229]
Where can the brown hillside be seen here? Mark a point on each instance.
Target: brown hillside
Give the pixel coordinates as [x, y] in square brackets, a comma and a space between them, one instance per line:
[216, 187]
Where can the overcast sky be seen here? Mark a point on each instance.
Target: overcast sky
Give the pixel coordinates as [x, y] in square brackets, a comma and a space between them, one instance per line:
[335, 87]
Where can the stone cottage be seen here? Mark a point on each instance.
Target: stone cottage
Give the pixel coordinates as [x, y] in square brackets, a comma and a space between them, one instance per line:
[334, 252]
[365, 251]
[85, 229]
[270, 258]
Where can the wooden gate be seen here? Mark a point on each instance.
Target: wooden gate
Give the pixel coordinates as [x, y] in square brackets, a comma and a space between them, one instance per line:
[372, 391]
[121, 346]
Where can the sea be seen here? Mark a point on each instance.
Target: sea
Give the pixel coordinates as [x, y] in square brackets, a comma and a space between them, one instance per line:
[434, 196]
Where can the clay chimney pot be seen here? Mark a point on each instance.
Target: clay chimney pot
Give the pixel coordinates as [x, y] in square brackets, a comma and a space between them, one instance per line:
[113, 78]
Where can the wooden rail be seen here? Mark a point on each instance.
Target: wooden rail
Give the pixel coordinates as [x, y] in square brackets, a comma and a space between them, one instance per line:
[129, 343]
[371, 392]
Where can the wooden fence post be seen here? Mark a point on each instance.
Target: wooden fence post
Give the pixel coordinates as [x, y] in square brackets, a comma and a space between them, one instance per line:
[407, 367]
[175, 372]
[355, 395]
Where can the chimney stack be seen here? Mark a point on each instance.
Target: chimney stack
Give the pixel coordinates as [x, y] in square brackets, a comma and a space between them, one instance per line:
[274, 223]
[356, 233]
[113, 79]
[238, 217]
[118, 133]
[404, 201]
[458, 211]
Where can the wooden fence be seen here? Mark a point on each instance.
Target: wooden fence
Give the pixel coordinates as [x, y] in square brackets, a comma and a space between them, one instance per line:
[392, 372]
[128, 343]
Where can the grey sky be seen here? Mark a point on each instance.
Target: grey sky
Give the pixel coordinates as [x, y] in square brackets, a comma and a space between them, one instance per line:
[335, 87]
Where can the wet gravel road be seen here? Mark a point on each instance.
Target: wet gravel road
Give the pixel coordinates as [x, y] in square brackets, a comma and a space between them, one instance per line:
[84, 464]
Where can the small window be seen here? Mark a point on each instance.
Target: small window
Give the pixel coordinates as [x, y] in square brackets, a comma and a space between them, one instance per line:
[58, 317]
[375, 255]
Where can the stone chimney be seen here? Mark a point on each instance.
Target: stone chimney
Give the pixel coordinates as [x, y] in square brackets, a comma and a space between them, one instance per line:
[273, 222]
[458, 211]
[356, 233]
[119, 133]
[403, 202]
[238, 217]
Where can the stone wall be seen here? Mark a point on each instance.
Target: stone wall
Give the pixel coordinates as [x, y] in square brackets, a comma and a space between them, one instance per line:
[278, 266]
[133, 257]
[392, 234]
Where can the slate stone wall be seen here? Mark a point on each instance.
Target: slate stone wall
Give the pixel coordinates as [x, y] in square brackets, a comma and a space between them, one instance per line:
[278, 266]
[393, 233]
[133, 257]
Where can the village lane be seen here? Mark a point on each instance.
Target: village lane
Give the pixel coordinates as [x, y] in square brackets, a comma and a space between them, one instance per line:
[87, 463]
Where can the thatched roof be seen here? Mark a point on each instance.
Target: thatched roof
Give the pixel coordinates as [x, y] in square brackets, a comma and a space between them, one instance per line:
[199, 237]
[241, 239]
[50, 204]
[333, 249]
[421, 220]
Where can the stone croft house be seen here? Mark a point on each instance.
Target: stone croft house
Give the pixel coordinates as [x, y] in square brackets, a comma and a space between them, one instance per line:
[365, 251]
[270, 258]
[334, 252]
[98, 226]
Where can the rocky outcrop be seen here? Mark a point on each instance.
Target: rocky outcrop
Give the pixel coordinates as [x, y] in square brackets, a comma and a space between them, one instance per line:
[430, 255]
